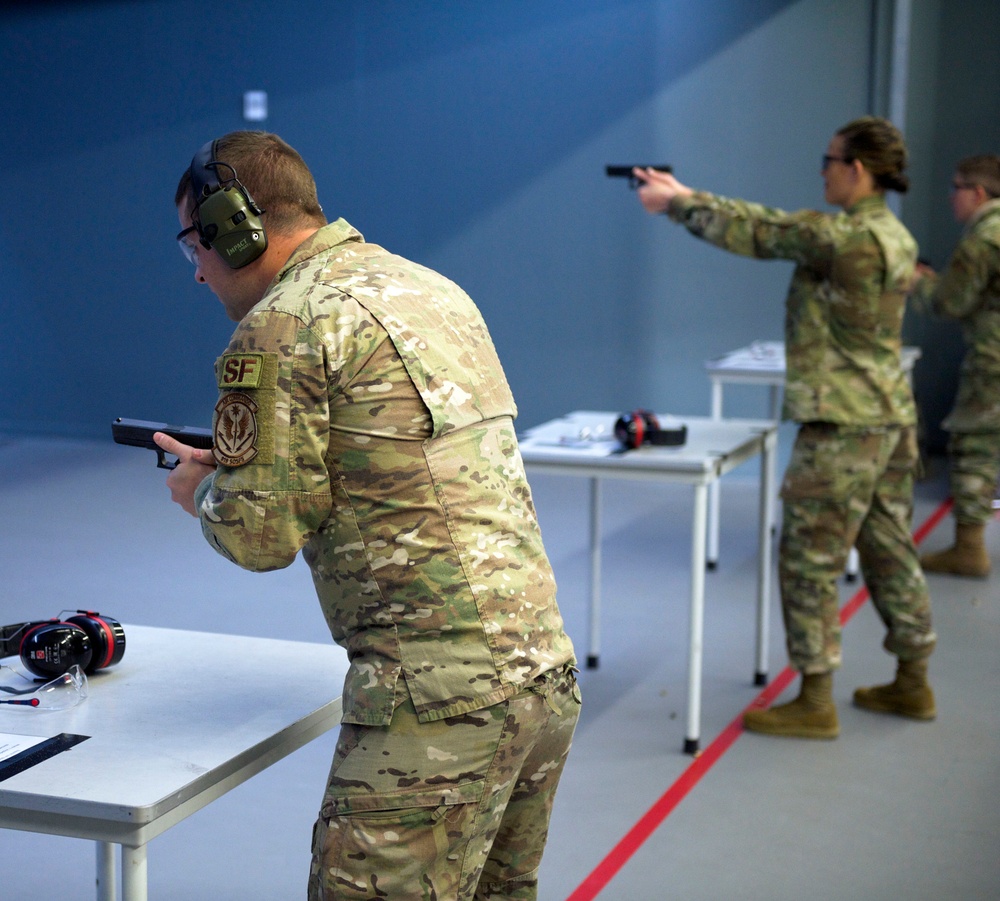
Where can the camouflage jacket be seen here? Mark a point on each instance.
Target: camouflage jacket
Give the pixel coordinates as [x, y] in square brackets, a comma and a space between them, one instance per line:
[844, 309]
[364, 418]
[969, 290]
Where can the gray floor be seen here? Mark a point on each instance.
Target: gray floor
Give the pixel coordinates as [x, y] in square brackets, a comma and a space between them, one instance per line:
[891, 810]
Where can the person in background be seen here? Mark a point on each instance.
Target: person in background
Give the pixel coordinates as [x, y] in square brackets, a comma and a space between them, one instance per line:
[968, 291]
[364, 418]
[850, 478]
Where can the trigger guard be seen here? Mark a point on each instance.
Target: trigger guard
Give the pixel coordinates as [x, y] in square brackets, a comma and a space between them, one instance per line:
[162, 462]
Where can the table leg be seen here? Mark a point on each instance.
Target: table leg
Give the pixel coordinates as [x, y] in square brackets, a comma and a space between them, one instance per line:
[593, 656]
[134, 873]
[766, 519]
[697, 626]
[853, 565]
[107, 884]
[712, 553]
[776, 416]
[712, 557]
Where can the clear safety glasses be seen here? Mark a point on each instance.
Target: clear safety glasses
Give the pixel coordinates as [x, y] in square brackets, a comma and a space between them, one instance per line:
[61, 693]
[189, 250]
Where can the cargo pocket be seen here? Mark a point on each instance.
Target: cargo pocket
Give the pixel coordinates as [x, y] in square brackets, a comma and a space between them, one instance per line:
[396, 845]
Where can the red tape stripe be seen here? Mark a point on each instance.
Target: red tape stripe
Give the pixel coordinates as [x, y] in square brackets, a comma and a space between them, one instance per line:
[605, 871]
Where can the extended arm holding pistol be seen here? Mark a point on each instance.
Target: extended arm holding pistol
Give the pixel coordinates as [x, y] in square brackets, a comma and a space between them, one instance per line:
[139, 433]
[626, 171]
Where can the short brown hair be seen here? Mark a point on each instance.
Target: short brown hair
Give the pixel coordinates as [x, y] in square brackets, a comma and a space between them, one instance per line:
[982, 170]
[273, 173]
[878, 144]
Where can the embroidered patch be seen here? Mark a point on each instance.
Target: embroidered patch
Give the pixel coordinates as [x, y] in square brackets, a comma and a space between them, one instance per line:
[240, 371]
[235, 438]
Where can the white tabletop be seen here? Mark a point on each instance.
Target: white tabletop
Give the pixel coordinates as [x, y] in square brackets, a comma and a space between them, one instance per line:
[585, 439]
[763, 359]
[183, 715]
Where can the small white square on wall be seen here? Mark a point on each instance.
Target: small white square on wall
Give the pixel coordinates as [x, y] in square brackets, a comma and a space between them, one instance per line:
[255, 106]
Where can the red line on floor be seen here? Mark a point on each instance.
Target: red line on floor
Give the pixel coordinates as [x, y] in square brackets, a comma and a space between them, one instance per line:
[605, 871]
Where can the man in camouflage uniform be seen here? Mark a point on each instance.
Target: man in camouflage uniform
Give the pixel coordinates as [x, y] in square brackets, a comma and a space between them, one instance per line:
[364, 418]
[850, 478]
[969, 291]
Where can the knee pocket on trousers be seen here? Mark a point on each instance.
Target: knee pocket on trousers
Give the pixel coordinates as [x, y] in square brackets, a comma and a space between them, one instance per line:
[394, 852]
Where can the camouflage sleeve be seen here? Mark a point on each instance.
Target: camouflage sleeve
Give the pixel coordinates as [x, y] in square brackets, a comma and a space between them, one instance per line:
[261, 510]
[751, 229]
[921, 293]
[962, 286]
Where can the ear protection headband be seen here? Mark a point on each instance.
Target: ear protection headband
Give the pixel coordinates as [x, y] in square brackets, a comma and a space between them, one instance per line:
[48, 648]
[226, 216]
[642, 427]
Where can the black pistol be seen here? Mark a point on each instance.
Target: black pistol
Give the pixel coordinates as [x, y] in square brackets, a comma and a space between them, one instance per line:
[139, 433]
[626, 171]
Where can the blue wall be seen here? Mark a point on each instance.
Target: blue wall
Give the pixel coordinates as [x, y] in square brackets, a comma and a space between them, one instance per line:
[468, 136]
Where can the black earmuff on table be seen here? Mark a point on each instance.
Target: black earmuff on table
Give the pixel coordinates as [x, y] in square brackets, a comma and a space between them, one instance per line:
[638, 427]
[48, 648]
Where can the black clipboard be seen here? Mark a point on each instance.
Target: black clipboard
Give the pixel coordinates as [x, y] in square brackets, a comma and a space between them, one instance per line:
[37, 753]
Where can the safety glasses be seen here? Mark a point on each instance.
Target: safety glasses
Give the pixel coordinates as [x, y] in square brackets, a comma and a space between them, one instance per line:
[61, 693]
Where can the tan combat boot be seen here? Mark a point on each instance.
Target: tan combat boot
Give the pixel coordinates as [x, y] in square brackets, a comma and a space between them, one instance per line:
[968, 556]
[909, 695]
[811, 715]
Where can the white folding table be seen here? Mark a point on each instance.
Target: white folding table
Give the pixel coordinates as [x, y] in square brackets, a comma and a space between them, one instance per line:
[181, 720]
[762, 363]
[578, 445]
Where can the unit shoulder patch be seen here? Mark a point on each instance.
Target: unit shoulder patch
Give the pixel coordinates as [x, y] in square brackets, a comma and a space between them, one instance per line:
[235, 430]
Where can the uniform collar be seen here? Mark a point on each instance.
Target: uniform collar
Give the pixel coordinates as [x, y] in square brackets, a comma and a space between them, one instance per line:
[323, 239]
[988, 208]
[871, 202]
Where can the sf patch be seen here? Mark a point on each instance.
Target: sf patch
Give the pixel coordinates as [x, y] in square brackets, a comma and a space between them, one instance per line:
[240, 371]
[235, 433]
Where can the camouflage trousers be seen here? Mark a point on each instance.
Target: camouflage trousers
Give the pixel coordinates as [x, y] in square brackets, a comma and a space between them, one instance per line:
[450, 809]
[975, 468]
[844, 488]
